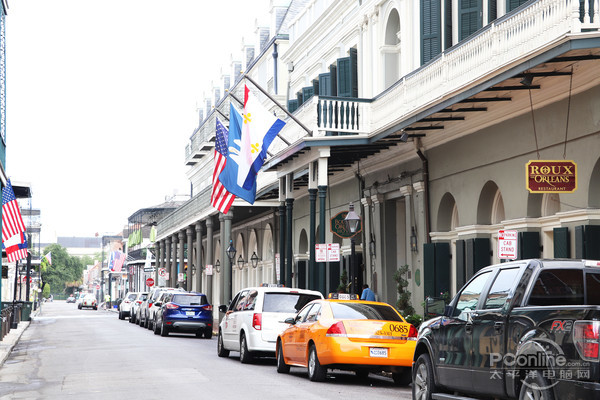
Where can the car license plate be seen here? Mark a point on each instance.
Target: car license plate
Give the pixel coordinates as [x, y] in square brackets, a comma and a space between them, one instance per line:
[190, 313]
[380, 352]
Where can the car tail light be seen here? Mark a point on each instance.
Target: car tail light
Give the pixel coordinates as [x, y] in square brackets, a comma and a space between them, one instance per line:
[207, 307]
[336, 329]
[586, 338]
[138, 302]
[413, 332]
[257, 321]
[172, 306]
[149, 305]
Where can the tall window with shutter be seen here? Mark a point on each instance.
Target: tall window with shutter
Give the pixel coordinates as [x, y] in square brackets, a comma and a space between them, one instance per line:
[347, 75]
[431, 41]
[470, 17]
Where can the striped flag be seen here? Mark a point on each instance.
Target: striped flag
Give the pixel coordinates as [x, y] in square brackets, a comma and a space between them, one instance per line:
[221, 199]
[13, 228]
[46, 261]
[115, 263]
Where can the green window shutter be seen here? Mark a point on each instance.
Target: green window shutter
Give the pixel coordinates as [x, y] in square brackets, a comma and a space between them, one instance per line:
[430, 29]
[447, 24]
[512, 4]
[333, 80]
[292, 105]
[561, 243]
[429, 269]
[529, 245]
[307, 93]
[492, 10]
[461, 272]
[579, 242]
[592, 242]
[299, 98]
[315, 83]
[325, 84]
[478, 255]
[442, 268]
[470, 17]
[347, 75]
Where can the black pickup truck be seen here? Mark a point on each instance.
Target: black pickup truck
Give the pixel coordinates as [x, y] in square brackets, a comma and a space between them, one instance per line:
[525, 329]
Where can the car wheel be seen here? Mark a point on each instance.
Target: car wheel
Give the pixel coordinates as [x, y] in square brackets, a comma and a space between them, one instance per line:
[164, 331]
[95, 308]
[402, 378]
[316, 372]
[208, 333]
[132, 319]
[156, 328]
[245, 355]
[149, 324]
[121, 315]
[423, 381]
[221, 351]
[282, 367]
[79, 306]
[535, 386]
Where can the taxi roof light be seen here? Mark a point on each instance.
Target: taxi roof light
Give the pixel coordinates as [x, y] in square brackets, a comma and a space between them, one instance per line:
[272, 285]
[342, 296]
[591, 263]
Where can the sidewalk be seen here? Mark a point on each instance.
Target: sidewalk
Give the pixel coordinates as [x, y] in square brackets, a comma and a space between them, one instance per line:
[11, 339]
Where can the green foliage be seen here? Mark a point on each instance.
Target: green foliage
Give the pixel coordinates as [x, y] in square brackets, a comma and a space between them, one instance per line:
[403, 304]
[65, 268]
[414, 319]
[46, 292]
[343, 282]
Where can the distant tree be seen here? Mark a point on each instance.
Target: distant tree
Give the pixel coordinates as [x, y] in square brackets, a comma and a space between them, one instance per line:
[65, 268]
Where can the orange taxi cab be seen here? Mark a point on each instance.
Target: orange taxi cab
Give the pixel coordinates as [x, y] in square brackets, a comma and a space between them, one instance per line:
[347, 334]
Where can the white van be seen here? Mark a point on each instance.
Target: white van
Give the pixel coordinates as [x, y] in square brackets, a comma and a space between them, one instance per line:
[255, 318]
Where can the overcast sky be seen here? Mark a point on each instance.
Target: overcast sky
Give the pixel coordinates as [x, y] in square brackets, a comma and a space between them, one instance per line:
[102, 98]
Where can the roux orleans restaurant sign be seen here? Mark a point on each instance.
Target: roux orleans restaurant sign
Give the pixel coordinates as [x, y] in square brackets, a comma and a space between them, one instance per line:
[551, 176]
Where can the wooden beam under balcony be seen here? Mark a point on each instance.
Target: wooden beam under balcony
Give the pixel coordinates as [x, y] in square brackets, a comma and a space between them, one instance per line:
[515, 87]
[442, 119]
[463, 109]
[485, 99]
[424, 128]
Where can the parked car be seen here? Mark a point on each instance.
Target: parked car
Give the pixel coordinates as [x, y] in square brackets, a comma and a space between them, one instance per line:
[125, 305]
[183, 312]
[350, 334]
[88, 301]
[527, 329]
[145, 317]
[135, 306]
[71, 299]
[79, 298]
[255, 318]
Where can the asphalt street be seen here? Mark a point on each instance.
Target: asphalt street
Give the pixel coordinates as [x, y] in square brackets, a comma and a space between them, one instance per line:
[67, 353]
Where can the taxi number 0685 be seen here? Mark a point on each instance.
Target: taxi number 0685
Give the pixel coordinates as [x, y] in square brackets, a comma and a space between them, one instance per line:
[380, 352]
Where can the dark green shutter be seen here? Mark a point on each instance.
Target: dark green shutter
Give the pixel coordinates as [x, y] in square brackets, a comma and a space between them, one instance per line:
[292, 105]
[333, 80]
[347, 75]
[307, 93]
[436, 268]
[442, 268]
[315, 83]
[430, 29]
[492, 10]
[325, 84]
[300, 98]
[478, 255]
[301, 268]
[470, 17]
[461, 272]
[429, 269]
[448, 24]
[561, 243]
[512, 4]
[579, 242]
[529, 245]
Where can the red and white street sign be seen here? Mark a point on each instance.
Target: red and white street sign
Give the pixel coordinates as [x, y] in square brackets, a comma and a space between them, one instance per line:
[162, 272]
[149, 282]
[327, 252]
[98, 287]
[507, 244]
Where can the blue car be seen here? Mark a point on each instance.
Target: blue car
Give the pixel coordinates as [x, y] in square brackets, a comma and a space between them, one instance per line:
[185, 312]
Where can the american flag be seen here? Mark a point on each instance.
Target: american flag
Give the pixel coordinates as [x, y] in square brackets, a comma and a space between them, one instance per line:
[13, 228]
[117, 258]
[221, 199]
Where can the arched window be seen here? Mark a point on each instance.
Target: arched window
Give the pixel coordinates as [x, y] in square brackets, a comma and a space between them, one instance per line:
[391, 50]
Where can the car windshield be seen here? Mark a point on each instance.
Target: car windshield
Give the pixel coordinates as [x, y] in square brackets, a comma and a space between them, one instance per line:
[143, 296]
[189, 299]
[131, 296]
[287, 302]
[364, 311]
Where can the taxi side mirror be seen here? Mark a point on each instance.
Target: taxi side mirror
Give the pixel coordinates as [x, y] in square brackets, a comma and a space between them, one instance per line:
[290, 321]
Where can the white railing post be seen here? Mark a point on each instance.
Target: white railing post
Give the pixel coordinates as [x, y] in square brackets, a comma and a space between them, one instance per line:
[575, 22]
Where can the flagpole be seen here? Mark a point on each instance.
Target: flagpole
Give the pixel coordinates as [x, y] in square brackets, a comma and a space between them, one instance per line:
[278, 105]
